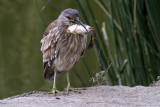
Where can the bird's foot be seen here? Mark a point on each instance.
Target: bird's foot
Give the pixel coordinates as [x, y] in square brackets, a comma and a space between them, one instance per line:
[73, 89]
[54, 91]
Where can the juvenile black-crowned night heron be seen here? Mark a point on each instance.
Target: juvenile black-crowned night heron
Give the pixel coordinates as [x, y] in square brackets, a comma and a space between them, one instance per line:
[60, 49]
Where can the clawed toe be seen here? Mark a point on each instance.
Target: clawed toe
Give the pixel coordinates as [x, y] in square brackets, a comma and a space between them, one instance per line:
[54, 91]
[73, 89]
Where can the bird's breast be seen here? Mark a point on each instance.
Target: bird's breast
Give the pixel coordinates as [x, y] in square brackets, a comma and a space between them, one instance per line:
[70, 49]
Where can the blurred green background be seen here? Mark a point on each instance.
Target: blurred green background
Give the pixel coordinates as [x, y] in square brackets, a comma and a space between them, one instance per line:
[21, 65]
[127, 51]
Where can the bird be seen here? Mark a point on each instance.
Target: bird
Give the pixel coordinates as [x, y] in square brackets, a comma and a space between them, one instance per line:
[62, 50]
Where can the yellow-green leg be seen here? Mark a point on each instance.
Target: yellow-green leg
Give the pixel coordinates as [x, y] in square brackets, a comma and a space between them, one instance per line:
[68, 83]
[69, 88]
[54, 90]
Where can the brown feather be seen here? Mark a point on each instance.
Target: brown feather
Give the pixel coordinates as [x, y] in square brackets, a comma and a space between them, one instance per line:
[60, 50]
[48, 49]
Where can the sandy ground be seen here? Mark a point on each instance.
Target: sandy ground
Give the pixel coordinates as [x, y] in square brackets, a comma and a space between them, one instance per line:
[102, 96]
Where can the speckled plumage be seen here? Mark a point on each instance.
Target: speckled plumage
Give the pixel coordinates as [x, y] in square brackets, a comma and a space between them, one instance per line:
[61, 50]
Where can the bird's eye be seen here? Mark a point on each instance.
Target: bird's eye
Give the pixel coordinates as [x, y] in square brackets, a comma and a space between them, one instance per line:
[69, 18]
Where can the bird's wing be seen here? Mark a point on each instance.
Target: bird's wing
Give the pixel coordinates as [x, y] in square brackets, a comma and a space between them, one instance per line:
[48, 47]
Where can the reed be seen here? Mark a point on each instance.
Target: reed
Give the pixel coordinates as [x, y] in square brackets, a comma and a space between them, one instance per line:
[133, 25]
[135, 58]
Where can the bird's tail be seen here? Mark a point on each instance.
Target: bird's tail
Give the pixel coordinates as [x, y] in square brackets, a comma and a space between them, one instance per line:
[49, 72]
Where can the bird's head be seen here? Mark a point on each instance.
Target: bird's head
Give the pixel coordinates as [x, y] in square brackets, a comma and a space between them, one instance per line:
[69, 17]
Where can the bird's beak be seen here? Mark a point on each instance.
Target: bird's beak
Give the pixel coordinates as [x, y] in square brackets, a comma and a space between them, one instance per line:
[77, 21]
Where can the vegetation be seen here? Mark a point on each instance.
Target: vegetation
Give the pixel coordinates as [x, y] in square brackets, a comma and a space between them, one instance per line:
[134, 28]
[133, 56]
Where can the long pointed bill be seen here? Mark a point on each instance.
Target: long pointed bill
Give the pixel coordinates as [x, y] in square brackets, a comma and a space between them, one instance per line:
[77, 21]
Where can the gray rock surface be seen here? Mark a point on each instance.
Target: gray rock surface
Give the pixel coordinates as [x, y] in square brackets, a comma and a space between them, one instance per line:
[100, 96]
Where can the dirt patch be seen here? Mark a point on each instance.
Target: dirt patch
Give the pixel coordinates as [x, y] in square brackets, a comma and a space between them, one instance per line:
[102, 96]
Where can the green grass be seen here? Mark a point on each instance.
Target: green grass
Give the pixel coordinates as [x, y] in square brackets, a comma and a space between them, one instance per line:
[135, 29]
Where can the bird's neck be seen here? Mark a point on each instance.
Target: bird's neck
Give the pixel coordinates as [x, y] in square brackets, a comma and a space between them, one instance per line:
[62, 23]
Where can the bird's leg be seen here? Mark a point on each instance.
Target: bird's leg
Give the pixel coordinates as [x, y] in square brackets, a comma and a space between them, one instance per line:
[68, 83]
[54, 90]
[69, 88]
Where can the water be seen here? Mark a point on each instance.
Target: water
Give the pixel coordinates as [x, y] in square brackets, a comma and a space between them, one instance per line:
[21, 29]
